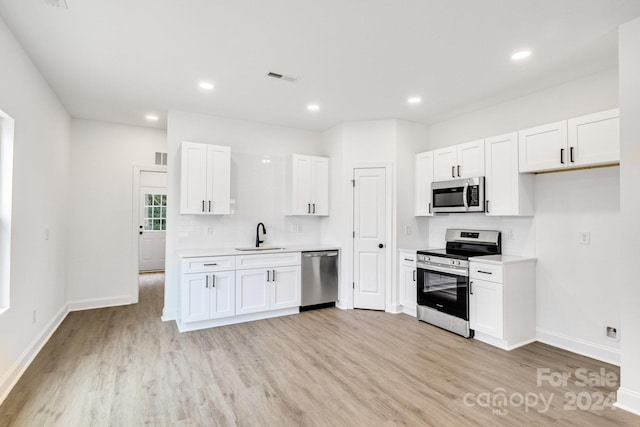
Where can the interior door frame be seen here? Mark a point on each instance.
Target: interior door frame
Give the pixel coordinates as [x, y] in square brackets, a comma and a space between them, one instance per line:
[135, 225]
[389, 220]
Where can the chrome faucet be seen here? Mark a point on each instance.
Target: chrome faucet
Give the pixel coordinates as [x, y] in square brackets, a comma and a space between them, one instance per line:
[264, 231]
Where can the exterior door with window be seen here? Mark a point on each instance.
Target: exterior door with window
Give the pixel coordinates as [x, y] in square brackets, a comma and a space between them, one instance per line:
[153, 222]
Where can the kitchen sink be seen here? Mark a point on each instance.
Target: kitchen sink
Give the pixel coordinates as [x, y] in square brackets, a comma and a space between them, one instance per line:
[264, 248]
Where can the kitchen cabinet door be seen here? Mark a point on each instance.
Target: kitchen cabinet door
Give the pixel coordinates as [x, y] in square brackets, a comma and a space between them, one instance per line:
[195, 297]
[424, 178]
[222, 294]
[193, 178]
[507, 192]
[252, 291]
[409, 297]
[285, 283]
[470, 159]
[320, 185]
[445, 161]
[205, 179]
[594, 139]
[486, 307]
[543, 147]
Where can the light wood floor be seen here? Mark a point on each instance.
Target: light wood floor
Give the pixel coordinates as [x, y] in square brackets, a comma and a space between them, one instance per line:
[123, 366]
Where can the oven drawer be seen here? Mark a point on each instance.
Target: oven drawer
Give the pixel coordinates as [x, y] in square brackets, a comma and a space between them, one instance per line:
[488, 272]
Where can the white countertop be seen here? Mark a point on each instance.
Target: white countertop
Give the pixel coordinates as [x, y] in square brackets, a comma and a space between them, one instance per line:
[501, 259]
[189, 253]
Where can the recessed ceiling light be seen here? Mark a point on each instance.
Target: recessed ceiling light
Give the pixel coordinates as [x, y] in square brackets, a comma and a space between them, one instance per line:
[206, 85]
[521, 55]
[313, 107]
[414, 100]
[152, 117]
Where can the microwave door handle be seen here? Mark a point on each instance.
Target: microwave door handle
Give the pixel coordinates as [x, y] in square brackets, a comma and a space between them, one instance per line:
[464, 196]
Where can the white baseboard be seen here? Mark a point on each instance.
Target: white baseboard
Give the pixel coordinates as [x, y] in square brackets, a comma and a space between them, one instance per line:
[628, 400]
[169, 315]
[342, 306]
[395, 309]
[91, 303]
[11, 377]
[575, 345]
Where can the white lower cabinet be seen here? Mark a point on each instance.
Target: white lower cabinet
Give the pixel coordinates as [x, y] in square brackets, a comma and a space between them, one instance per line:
[502, 300]
[218, 291]
[408, 282]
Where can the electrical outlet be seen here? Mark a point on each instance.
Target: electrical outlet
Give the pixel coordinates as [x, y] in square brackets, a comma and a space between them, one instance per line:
[407, 230]
[210, 230]
[294, 228]
[584, 238]
[510, 235]
[611, 333]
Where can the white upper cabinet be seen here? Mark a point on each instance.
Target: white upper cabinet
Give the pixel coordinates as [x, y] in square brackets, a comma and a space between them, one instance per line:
[459, 161]
[543, 147]
[308, 185]
[594, 139]
[589, 140]
[424, 178]
[507, 192]
[205, 180]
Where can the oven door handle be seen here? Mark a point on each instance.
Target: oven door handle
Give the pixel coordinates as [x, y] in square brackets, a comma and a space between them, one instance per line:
[464, 196]
[438, 269]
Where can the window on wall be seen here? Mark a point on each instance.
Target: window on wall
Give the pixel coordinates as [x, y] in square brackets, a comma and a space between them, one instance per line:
[155, 212]
[6, 188]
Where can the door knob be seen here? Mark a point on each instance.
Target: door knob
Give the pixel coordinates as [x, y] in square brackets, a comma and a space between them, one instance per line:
[381, 246]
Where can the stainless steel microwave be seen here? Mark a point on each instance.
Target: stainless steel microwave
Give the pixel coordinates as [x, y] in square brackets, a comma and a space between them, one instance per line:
[458, 195]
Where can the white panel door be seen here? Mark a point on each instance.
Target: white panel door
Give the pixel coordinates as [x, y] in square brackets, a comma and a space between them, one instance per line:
[543, 147]
[218, 179]
[486, 307]
[444, 163]
[285, 285]
[195, 297]
[470, 159]
[252, 291]
[222, 294]
[193, 178]
[424, 178]
[152, 234]
[320, 179]
[595, 139]
[370, 245]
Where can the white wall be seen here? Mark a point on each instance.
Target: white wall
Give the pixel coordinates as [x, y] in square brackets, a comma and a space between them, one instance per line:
[540, 235]
[257, 189]
[40, 196]
[101, 209]
[629, 51]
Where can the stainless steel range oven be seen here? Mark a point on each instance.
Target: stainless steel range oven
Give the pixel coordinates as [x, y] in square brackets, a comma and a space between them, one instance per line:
[443, 278]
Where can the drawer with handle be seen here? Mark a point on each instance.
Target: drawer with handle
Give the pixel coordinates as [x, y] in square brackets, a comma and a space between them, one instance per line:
[488, 272]
[206, 264]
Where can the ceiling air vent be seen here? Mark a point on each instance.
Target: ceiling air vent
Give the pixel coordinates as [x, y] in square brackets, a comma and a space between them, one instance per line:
[278, 76]
[57, 3]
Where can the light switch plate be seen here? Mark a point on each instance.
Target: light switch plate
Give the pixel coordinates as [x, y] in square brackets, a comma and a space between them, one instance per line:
[584, 238]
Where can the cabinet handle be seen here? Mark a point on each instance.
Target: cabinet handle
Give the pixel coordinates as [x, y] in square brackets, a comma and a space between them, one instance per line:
[453, 171]
[571, 155]
[484, 272]
[408, 259]
[308, 208]
[470, 288]
[213, 280]
[414, 275]
[429, 207]
[273, 275]
[562, 156]
[267, 275]
[487, 206]
[458, 171]
[209, 265]
[206, 281]
[203, 206]
[314, 208]
[209, 205]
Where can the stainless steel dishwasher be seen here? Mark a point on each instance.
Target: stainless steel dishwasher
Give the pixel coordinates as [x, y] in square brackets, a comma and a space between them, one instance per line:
[319, 279]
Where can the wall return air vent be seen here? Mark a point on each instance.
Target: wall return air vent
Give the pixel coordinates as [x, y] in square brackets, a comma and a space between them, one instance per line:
[278, 76]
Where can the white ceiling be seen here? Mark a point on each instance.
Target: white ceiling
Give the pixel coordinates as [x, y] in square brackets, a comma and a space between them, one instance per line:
[117, 60]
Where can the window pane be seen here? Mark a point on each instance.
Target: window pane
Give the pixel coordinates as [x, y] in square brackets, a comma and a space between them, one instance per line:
[149, 212]
[148, 224]
[164, 200]
[164, 225]
[148, 199]
[157, 224]
[163, 212]
[157, 200]
[157, 212]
